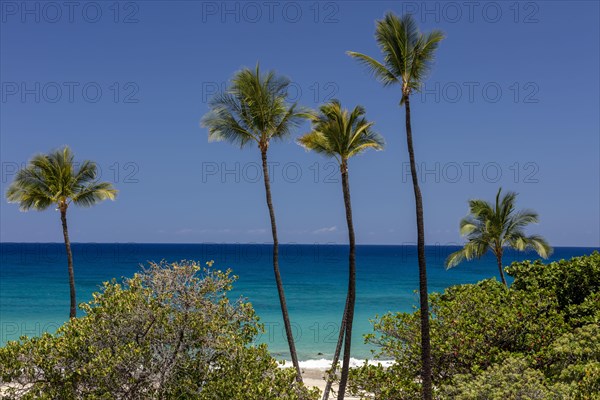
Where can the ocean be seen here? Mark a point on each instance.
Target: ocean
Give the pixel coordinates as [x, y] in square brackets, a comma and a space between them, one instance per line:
[34, 292]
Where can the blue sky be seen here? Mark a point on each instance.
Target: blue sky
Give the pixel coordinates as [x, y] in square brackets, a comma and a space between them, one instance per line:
[512, 101]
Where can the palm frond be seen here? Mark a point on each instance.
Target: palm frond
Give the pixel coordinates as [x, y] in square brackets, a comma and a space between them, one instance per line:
[29, 198]
[293, 117]
[424, 57]
[378, 70]
[519, 241]
[317, 142]
[366, 139]
[455, 258]
[521, 219]
[228, 121]
[396, 38]
[86, 173]
[94, 193]
[480, 209]
[468, 226]
[31, 188]
[506, 206]
[475, 248]
[539, 244]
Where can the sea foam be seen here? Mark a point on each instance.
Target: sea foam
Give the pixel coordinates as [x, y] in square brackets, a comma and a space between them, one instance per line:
[324, 364]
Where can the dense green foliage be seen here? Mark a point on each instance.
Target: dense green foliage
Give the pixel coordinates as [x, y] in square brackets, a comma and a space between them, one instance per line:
[538, 339]
[575, 283]
[512, 379]
[167, 333]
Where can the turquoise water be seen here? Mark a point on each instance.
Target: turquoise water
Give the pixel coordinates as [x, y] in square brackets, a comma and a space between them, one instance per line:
[34, 295]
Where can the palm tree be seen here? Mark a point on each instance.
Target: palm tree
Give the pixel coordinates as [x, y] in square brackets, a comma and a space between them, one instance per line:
[495, 228]
[341, 134]
[254, 110]
[55, 178]
[408, 56]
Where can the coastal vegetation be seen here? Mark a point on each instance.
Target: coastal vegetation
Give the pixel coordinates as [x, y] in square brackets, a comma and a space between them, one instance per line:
[341, 134]
[254, 110]
[538, 339]
[496, 227]
[174, 331]
[407, 58]
[55, 179]
[169, 332]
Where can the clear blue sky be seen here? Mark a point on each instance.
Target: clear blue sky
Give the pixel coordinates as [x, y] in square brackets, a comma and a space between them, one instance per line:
[514, 91]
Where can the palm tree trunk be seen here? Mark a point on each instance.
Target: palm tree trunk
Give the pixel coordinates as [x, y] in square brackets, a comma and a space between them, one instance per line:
[63, 218]
[423, 297]
[282, 302]
[336, 355]
[499, 259]
[349, 315]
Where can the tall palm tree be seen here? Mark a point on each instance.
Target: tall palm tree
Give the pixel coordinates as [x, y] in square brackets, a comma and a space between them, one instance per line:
[408, 56]
[254, 110]
[55, 179]
[341, 134]
[496, 227]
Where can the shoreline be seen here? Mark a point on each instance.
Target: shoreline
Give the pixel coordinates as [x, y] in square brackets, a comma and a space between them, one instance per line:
[323, 364]
[313, 371]
[315, 378]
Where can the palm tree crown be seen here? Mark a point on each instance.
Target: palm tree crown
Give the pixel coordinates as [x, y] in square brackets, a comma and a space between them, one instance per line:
[407, 53]
[54, 178]
[252, 109]
[341, 134]
[494, 227]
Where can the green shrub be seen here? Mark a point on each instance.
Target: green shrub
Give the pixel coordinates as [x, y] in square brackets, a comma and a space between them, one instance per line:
[543, 327]
[574, 282]
[167, 333]
[511, 379]
[575, 362]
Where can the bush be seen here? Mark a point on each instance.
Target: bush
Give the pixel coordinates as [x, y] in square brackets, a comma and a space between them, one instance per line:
[512, 379]
[574, 282]
[544, 326]
[169, 332]
[575, 362]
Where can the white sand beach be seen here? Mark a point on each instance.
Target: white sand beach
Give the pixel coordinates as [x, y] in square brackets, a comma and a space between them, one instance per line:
[315, 378]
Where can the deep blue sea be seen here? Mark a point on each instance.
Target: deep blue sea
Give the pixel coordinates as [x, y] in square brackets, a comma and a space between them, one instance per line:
[34, 293]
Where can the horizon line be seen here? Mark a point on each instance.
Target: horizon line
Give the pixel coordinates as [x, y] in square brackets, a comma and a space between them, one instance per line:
[281, 244]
